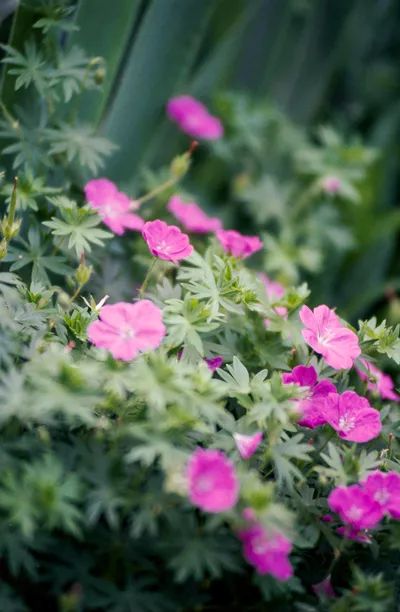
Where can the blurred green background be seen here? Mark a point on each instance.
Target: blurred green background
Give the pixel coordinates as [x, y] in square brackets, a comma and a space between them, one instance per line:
[305, 88]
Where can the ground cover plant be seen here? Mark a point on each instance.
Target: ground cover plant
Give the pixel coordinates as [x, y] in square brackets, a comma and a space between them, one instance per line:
[184, 425]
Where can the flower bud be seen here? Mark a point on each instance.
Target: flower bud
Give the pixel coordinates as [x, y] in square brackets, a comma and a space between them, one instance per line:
[83, 273]
[3, 248]
[180, 165]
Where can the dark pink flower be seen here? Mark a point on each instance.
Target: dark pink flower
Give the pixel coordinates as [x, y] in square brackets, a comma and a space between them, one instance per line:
[324, 588]
[212, 481]
[267, 551]
[247, 445]
[378, 381]
[351, 416]
[192, 217]
[113, 206]
[166, 241]
[194, 119]
[355, 507]
[309, 407]
[214, 363]
[324, 332]
[238, 244]
[384, 489]
[353, 534]
[127, 329]
[275, 291]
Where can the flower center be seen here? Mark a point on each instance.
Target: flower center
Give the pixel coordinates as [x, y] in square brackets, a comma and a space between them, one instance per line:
[325, 338]
[354, 513]
[204, 484]
[347, 423]
[127, 333]
[260, 546]
[382, 496]
[163, 246]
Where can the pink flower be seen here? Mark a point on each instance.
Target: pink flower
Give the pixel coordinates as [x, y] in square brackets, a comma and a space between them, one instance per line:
[275, 291]
[192, 217]
[238, 244]
[351, 416]
[267, 551]
[355, 507]
[353, 534]
[306, 376]
[166, 241]
[214, 363]
[247, 445]
[324, 332]
[324, 588]
[127, 329]
[212, 481]
[384, 489]
[194, 119]
[112, 205]
[378, 381]
[331, 184]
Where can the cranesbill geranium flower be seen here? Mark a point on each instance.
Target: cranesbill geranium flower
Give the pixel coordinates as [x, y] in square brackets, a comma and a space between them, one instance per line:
[127, 329]
[309, 407]
[193, 118]
[213, 363]
[267, 551]
[238, 244]
[212, 481]
[166, 241]
[384, 488]
[192, 217]
[351, 416]
[324, 332]
[378, 381]
[274, 291]
[113, 206]
[247, 445]
[355, 507]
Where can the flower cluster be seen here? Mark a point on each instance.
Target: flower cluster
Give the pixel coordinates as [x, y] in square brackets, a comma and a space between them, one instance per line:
[362, 506]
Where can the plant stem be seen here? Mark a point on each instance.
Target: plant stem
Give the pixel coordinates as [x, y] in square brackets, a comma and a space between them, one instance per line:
[13, 203]
[151, 194]
[147, 277]
[75, 294]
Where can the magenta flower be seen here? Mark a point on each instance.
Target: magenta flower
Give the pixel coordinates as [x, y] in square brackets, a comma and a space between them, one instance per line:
[324, 332]
[353, 534]
[127, 329]
[378, 381]
[384, 489]
[194, 119]
[355, 507]
[213, 363]
[267, 551]
[212, 481]
[247, 445]
[351, 416]
[112, 205]
[166, 241]
[238, 244]
[192, 217]
[275, 291]
[309, 407]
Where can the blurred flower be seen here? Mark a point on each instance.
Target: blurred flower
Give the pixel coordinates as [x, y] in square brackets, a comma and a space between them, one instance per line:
[267, 551]
[378, 381]
[238, 244]
[247, 445]
[331, 184]
[112, 205]
[214, 363]
[351, 416]
[324, 332]
[193, 118]
[192, 217]
[166, 241]
[306, 376]
[274, 291]
[384, 488]
[324, 588]
[354, 534]
[355, 507]
[212, 481]
[127, 329]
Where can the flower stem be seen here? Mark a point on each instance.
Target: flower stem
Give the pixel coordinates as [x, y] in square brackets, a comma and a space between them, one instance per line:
[147, 277]
[151, 194]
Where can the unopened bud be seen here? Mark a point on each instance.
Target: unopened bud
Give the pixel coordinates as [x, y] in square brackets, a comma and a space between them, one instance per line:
[180, 165]
[64, 300]
[3, 248]
[83, 273]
